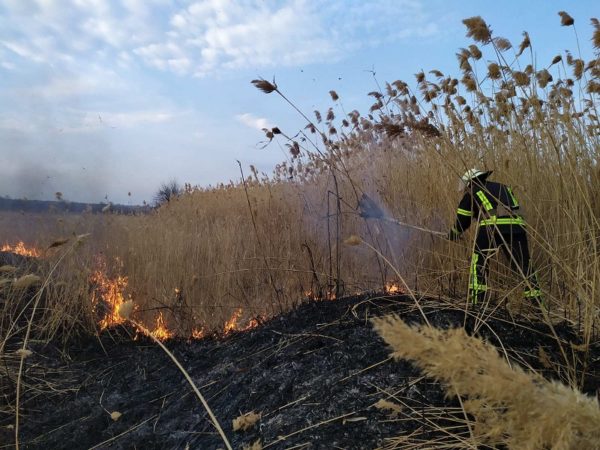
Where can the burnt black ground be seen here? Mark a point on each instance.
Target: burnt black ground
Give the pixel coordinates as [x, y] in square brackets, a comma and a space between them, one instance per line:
[314, 364]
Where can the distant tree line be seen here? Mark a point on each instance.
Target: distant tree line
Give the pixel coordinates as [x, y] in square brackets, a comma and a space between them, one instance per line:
[47, 206]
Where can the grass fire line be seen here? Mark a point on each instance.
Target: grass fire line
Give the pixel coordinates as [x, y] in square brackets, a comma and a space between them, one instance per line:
[264, 241]
[109, 297]
[20, 248]
[124, 312]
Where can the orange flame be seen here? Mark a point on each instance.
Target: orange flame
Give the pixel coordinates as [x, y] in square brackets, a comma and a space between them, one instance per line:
[329, 295]
[161, 332]
[111, 292]
[253, 323]
[393, 288]
[21, 249]
[198, 333]
[231, 324]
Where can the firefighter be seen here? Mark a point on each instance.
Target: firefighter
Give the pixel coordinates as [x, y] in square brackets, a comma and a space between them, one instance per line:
[495, 208]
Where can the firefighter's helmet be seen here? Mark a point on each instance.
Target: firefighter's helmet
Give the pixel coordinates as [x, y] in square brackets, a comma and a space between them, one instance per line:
[472, 174]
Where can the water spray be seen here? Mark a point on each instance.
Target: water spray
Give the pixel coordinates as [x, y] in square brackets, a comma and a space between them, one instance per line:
[368, 209]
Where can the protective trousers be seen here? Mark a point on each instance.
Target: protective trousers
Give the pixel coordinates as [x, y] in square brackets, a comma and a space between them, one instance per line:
[515, 247]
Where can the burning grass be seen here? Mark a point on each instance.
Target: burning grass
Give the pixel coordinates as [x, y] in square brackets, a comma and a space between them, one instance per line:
[259, 244]
[219, 260]
[316, 374]
[114, 307]
[20, 248]
[108, 294]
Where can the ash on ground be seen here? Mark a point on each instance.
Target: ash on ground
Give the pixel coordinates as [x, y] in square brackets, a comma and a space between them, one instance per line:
[313, 374]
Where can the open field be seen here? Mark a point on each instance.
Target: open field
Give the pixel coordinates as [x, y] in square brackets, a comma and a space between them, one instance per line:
[212, 262]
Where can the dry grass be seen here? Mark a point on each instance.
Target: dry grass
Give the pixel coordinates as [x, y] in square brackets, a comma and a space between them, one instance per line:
[267, 243]
[393, 409]
[264, 244]
[511, 407]
[246, 421]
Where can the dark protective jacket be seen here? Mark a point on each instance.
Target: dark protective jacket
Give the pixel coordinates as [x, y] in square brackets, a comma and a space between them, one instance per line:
[493, 204]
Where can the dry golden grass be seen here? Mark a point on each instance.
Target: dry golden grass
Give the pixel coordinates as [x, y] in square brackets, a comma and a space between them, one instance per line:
[26, 281]
[535, 127]
[264, 244]
[246, 421]
[267, 242]
[511, 407]
[393, 409]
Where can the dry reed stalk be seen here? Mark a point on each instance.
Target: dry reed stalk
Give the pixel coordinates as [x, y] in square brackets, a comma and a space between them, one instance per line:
[511, 407]
[26, 281]
[258, 238]
[392, 408]
[539, 137]
[310, 427]
[125, 312]
[24, 352]
[246, 421]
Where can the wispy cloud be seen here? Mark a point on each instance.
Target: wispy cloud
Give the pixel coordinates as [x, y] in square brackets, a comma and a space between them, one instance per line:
[87, 83]
[204, 37]
[92, 50]
[252, 121]
[129, 119]
[87, 121]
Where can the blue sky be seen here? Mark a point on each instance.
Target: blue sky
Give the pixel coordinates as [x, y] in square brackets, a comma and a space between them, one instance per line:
[104, 98]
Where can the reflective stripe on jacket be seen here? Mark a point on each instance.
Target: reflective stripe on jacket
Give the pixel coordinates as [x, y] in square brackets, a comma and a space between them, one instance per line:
[493, 204]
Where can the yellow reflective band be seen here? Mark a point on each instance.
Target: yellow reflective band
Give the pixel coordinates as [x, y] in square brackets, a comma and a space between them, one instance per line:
[464, 212]
[484, 201]
[514, 199]
[474, 285]
[503, 221]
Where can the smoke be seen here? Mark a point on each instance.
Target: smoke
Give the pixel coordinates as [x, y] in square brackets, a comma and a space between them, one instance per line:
[37, 165]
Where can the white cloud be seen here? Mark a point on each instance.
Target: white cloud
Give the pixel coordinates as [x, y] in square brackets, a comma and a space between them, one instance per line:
[82, 74]
[81, 121]
[165, 57]
[252, 121]
[104, 31]
[135, 118]
[206, 36]
[178, 21]
[73, 86]
[23, 50]
[86, 121]
[227, 34]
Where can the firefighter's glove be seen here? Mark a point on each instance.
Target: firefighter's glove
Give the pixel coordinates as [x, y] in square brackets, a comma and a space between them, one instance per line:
[453, 235]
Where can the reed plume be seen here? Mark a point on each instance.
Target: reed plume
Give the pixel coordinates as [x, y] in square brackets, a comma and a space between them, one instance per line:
[565, 19]
[478, 29]
[511, 407]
